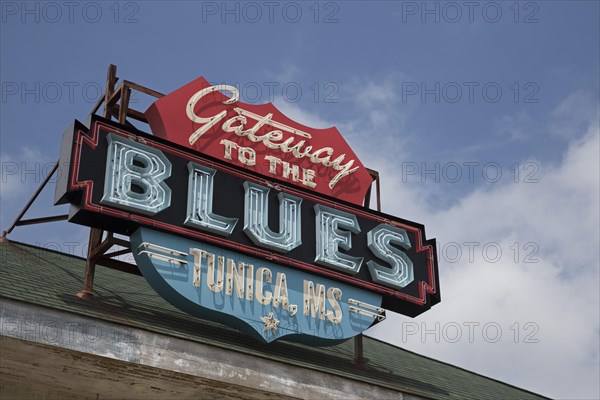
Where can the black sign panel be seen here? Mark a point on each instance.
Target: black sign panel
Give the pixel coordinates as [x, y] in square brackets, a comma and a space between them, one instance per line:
[84, 158]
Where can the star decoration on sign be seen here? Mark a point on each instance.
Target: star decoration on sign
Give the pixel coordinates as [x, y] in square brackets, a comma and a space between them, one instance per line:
[271, 322]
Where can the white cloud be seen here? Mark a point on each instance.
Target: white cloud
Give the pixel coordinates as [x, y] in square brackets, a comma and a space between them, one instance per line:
[289, 73]
[297, 114]
[555, 225]
[570, 115]
[380, 101]
[573, 113]
[519, 126]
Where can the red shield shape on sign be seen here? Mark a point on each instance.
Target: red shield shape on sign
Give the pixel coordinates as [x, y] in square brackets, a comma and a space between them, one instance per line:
[210, 119]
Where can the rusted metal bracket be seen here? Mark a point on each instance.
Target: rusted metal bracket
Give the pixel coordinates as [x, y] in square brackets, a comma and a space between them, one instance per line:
[97, 248]
[20, 221]
[116, 101]
[97, 255]
[359, 358]
[90, 265]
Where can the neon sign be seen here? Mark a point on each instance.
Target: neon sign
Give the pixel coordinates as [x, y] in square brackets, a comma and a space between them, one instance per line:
[259, 138]
[264, 252]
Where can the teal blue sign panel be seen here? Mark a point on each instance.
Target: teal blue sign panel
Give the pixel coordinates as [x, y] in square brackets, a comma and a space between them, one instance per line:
[265, 299]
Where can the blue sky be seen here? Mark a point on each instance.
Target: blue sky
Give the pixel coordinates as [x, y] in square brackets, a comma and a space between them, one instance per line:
[509, 88]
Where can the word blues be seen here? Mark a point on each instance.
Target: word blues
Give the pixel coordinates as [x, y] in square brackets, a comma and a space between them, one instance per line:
[136, 180]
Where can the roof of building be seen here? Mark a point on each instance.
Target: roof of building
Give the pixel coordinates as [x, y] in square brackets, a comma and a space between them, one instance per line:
[51, 279]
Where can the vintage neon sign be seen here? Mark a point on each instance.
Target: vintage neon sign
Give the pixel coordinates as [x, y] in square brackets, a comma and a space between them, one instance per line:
[226, 244]
[259, 138]
[257, 250]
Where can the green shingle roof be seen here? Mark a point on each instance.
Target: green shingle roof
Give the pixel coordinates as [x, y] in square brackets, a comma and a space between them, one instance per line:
[43, 277]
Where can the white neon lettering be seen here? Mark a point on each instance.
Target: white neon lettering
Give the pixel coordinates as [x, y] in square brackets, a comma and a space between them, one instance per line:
[273, 139]
[333, 232]
[256, 217]
[134, 177]
[198, 256]
[210, 121]
[263, 275]
[314, 300]
[218, 285]
[235, 277]
[200, 202]
[400, 272]
[281, 291]
[333, 295]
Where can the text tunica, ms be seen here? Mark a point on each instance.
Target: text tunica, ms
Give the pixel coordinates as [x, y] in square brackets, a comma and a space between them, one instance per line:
[249, 284]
